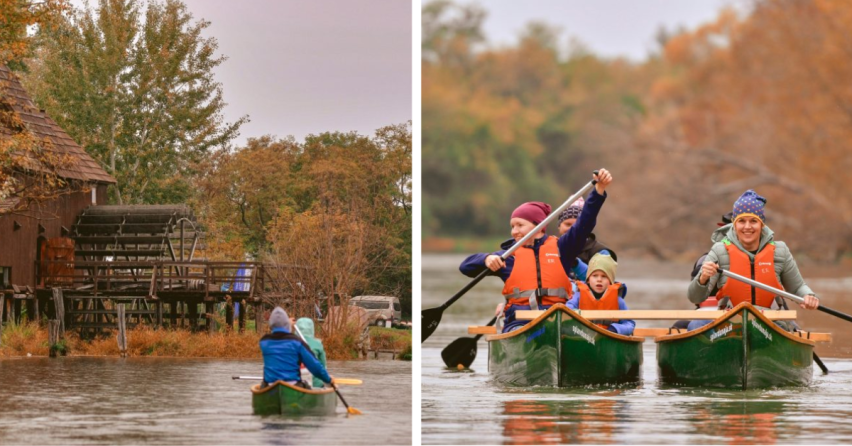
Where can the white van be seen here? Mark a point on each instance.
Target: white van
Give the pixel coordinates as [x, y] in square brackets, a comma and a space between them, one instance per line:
[381, 309]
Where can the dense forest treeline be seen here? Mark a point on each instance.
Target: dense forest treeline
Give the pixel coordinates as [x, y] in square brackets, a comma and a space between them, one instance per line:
[755, 100]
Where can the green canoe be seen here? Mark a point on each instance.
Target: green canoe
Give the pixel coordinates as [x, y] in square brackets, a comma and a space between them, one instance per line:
[741, 350]
[281, 398]
[560, 348]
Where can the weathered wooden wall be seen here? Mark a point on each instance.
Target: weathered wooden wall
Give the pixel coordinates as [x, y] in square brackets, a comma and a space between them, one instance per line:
[19, 248]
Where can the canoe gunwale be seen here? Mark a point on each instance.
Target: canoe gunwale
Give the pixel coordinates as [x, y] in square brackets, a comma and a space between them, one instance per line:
[560, 307]
[731, 313]
[255, 389]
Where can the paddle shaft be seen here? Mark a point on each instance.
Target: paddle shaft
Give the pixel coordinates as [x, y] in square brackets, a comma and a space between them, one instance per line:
[553, 215]
[783, 293]
[820, 364]
[333, 386]
[350, 381]
[817, 360]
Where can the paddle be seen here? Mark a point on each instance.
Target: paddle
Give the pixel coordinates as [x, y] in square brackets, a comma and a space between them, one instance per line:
[792, 297]
[351, 410]
[430, 318]
[347, 381]
[783, 293]
[462, 351]
[816, 358]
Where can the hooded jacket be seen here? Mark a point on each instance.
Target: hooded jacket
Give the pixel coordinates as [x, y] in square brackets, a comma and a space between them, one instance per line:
[306, 327]
[786, 269]
[283, 352]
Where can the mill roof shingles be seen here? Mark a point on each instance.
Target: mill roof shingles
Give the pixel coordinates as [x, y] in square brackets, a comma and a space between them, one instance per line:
[84, 167]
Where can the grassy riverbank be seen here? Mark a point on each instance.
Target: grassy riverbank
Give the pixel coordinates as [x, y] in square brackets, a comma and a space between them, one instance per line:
[30, 338]
[391, 339]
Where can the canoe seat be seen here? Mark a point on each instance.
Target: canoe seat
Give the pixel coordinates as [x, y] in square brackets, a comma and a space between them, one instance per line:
[486, 330]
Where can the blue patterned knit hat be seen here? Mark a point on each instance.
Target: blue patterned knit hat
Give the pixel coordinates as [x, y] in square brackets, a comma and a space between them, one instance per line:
[749, 205]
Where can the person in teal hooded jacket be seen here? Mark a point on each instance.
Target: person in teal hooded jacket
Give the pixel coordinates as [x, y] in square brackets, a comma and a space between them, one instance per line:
[306, 327]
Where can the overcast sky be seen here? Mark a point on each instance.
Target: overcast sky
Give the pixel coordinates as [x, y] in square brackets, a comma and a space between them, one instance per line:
[610, 28]
[298, 67]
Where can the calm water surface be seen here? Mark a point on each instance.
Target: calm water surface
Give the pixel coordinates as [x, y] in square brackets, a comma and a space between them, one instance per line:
[187, 401]
[467, 408]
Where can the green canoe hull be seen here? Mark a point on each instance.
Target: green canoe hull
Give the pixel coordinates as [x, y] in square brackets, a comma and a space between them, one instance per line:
[562, 349]
[284, 399]
[742, 350]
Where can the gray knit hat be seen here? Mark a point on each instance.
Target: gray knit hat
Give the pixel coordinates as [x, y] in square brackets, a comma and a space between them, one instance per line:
[279, 319]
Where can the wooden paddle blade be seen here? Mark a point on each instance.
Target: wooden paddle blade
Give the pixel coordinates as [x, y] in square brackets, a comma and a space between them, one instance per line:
[429, 320]
[353, 411]
[462, 351]
[348, 381]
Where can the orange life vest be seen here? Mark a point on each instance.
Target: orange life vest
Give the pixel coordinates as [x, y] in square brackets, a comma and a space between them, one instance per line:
[539, 277]
[609, 300]
[761, 270]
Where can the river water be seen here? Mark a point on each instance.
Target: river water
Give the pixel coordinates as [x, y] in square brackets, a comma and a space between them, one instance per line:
[465, 407]
[188, 401]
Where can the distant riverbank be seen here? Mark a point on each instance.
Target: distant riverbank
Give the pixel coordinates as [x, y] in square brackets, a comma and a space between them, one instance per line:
[31, 339]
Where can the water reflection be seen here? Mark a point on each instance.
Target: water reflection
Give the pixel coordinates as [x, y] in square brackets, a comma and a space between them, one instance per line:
[562, 422]
[740, 422]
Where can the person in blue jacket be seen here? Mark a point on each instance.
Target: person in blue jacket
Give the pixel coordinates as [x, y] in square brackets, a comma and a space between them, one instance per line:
[551, 257]
[284, 352]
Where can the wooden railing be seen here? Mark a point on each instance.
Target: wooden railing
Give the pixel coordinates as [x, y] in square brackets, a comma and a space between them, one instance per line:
[156, 277]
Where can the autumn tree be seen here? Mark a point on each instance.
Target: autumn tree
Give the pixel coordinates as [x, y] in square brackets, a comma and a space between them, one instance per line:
[755, 101]
[525, 122]
[336, 207]
[29, 168]
[133, 83]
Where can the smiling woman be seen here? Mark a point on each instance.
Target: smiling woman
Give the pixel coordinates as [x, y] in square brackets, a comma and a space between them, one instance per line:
[748, 247]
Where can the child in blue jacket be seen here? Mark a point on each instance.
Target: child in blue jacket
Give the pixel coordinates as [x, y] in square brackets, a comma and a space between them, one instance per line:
[600, 291]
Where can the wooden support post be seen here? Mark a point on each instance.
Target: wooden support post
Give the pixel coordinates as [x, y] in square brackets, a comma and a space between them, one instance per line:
[32, 309]
[59, 303]
[16, 303]
[243, 316]
[173, 314]
[208, 314]
[193, 316]
[258, 317]
[53, 336]
[122, 332]
[182, 310]
[159, 305]
[229, 312]
[2, 307]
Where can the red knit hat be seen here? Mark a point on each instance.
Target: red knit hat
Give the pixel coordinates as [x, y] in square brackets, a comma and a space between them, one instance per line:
[532, 211]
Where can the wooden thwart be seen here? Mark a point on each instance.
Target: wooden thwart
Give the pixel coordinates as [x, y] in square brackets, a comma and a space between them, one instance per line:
[689, 315]
[485, 329]
[656, 332]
